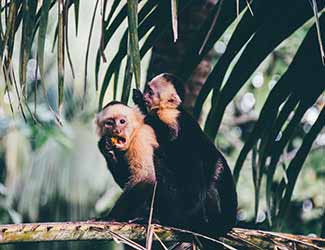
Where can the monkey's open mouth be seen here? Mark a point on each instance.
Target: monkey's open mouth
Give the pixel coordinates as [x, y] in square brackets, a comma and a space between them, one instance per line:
[118, 140]
[147, 102]
[121, 140]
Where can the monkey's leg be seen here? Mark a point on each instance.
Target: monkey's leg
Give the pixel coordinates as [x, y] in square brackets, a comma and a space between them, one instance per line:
[134, 203]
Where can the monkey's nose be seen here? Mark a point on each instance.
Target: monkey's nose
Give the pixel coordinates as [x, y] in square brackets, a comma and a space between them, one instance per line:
[117, 131]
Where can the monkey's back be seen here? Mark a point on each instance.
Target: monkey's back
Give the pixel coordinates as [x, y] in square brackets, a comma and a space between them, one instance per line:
[203, 178]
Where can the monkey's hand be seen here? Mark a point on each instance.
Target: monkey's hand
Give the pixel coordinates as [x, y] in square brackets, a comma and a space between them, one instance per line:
[106, 148]
[137, 98]
[173, 133]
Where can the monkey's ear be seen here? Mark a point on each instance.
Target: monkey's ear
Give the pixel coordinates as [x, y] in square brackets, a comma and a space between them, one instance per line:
[174, 99]
[99, 126]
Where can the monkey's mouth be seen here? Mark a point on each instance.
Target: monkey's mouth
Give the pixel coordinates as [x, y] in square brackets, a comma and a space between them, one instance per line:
[147, 102]
[150, 106]
[118, 141]
[121, 140]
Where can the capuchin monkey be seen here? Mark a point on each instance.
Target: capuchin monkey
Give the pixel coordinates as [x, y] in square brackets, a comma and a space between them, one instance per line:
[203, 178]
[134, 158]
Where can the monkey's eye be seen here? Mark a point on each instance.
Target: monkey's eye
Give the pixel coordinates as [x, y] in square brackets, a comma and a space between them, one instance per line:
[122, 121]
[150, 92]
[109, 123]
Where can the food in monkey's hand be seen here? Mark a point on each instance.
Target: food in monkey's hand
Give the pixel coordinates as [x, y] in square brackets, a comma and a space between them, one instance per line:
[203, 177]
[114, 140]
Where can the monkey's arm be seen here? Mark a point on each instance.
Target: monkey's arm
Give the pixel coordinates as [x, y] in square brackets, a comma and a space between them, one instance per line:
[138, 100]
[224, 184]
[116, 161]
[134, 203]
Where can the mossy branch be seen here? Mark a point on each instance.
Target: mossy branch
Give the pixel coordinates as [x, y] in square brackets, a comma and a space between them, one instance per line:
[77, 231]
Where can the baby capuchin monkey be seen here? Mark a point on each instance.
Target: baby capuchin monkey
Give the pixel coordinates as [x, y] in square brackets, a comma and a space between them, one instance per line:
[203, 177]
[132, 154]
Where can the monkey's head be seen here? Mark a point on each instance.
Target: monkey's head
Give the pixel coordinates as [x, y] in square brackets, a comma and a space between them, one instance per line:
[120, 122]
[164, 91]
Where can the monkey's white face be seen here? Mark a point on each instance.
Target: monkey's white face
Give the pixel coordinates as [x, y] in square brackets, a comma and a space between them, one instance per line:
[116, 126]
[160, 93]
[118, 121]
[151, 95]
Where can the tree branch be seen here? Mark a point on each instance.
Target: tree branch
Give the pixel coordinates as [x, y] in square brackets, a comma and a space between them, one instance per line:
[77, 231]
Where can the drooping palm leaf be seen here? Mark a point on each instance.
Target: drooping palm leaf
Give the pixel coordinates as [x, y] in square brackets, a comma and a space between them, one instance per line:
[313, 72]
[10, 28]
[225, 19]
[277, 28]
[144, 27]
[297, 163]
[149, 16]
[115, 24]
[246, 28]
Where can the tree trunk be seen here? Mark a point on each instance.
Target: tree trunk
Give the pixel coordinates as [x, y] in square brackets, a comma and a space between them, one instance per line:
[237, 238]
[168, 56]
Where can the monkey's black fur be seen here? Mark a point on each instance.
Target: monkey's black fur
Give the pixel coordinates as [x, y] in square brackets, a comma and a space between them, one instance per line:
[178, 84]
[134, 203]
[204, 180]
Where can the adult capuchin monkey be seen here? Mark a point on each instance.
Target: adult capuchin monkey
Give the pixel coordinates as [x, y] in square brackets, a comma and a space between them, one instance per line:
[134, 158]
[203, 178]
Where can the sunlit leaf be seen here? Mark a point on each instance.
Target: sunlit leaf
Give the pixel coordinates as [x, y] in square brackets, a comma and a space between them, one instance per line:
[299, 71]
[60, 52]
[1, 33]
[88, 47]
[112, 11]
[212, 26]
[42, 37]
[127, 80]
[66, 35]
[134, 40]
[296, 164]
[55, 38]
[319, 36]
[174, 5]
[76, 14]
[256, 179]
[269, 111]
[116, 78]
[267, 142]
[26, 38]
[103, 14]
[10, 27]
